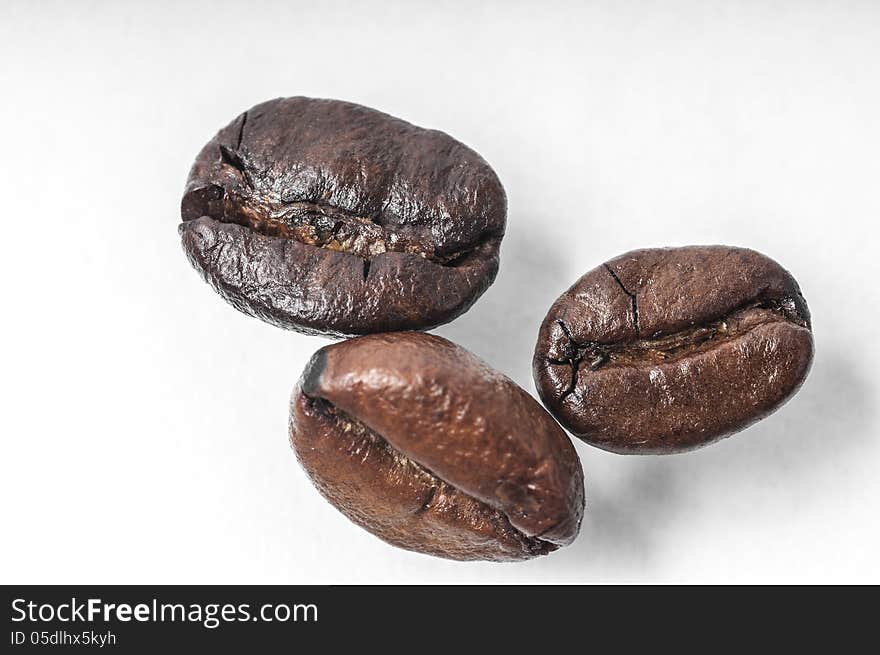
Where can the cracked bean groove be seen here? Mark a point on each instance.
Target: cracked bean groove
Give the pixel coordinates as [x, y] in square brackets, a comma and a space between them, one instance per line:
[669, 349]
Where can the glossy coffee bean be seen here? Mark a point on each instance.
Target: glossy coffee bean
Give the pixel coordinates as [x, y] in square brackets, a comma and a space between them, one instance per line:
[331, 218]
[421, 443]
[665, 350]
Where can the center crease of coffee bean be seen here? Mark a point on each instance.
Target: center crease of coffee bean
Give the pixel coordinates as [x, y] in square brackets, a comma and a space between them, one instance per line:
[321, 224]
[439, 487]
[662, 348]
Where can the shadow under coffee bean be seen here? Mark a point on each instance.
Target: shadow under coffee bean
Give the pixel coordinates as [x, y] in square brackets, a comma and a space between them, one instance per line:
[421, 443]
[331, 218]
[664, 350]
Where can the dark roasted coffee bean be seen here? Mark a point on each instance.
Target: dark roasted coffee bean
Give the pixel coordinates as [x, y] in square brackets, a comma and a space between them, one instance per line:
[425, 446]
[665, 350]
[331, 218]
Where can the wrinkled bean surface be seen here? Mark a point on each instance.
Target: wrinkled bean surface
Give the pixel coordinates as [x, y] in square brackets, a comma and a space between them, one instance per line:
[664, 350]
[331, 218]
[421, 443]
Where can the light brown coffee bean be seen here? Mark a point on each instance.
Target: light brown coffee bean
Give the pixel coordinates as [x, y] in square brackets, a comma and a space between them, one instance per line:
[421, 443]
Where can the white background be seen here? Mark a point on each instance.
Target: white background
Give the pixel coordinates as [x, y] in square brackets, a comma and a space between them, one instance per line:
[144, 420]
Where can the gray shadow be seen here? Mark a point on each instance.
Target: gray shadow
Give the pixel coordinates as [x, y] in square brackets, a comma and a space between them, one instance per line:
[502, 326]
[797, 451]
[624, 518]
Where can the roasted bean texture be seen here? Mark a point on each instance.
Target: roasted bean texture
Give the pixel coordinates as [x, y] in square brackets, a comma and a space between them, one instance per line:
[331, 218]
[421, 443]
[665, 350]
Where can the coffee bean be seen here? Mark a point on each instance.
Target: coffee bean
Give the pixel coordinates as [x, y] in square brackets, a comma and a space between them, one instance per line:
[421, 443]
[665, 350]
[330, 218]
